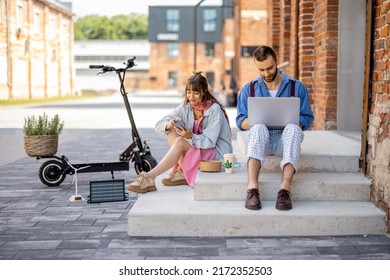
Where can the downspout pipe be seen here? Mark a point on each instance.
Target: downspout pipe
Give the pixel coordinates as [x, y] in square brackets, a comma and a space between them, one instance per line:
[7, 17]
[195, 30]
[296, 68]
[367, 97]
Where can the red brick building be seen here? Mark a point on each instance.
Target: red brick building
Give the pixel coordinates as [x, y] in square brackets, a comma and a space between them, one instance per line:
[36, 49]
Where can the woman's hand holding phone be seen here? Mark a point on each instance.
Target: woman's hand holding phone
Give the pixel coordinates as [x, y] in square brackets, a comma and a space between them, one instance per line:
[181, 129]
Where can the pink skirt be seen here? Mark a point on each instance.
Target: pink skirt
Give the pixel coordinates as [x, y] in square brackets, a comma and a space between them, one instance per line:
[190, 163]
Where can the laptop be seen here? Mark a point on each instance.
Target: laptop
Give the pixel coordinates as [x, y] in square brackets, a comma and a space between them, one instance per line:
[274, 112]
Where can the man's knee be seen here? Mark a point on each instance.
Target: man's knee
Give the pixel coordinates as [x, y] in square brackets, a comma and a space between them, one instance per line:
[292, 128]
[258, 132]
[258, 128]
[292, 131]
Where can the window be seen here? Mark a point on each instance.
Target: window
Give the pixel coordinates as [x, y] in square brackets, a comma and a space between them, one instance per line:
[209, 20]
[173, 20]
[37, 23]
[173, 50]
[210, 76]
[19, 17]
[52, 27]
[1, 11]
[172, 79]
[209, 49]
[64, 31]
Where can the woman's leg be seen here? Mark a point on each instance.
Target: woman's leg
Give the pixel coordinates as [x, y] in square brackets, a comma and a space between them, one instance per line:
[171, 136]
[177, 150]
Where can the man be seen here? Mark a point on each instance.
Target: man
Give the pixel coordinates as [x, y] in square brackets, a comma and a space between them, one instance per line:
[262, 141]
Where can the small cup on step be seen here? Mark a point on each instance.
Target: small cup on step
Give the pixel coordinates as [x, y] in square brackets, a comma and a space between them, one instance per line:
[228, 162]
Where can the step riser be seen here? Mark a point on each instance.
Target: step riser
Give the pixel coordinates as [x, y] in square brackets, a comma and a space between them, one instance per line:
[303, 191]
[201, 226]
[173, 212]
[314, 163]
[305, 186]
[232, 219]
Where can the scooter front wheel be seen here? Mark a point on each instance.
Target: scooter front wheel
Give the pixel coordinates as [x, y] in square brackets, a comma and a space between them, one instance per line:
[148, 163]
[51, 173]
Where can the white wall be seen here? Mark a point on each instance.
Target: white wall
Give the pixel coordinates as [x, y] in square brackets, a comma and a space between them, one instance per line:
[350, 81]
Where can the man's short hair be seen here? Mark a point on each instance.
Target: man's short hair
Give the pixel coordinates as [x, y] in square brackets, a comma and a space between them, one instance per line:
[263, 52]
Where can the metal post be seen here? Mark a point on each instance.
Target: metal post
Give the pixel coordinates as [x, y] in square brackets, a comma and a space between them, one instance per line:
[195, 30]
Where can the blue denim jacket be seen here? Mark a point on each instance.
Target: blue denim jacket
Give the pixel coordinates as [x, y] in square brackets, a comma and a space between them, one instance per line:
[215, 128]
[306, 116]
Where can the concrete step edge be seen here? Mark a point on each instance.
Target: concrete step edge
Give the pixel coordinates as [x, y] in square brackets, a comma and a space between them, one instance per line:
[173, 212]
[306, 186]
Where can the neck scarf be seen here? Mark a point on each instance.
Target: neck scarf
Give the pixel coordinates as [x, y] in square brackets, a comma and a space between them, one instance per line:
[203, 106]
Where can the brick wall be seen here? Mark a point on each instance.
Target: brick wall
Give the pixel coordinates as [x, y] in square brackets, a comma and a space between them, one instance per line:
[378, 136]
[252, 29]
[183, 64]
[312, 52]
[306, 34]
[325, 72]
[301, 44]
[285, 32]
[274, 21]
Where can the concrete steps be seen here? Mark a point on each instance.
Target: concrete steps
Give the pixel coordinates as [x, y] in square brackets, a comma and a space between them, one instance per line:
[330, 197]
[174, 212]
[322, 151]
[306, 186]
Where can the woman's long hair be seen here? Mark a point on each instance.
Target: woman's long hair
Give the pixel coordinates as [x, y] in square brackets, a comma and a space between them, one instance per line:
[198, 82]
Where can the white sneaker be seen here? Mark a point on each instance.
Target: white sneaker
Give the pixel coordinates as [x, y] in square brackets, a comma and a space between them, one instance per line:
[174, 179]
[142, 184]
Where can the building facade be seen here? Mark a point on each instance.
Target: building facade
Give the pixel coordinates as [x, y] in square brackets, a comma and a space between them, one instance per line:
[185, 39]
[36, 49]
[114, 53]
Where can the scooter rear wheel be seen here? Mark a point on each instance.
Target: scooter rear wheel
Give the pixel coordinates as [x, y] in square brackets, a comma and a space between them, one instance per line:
[51, 173]
[148, 163]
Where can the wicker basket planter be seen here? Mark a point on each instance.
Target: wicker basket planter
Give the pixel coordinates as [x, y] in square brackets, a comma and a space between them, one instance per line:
[41, 145]
[41, 135]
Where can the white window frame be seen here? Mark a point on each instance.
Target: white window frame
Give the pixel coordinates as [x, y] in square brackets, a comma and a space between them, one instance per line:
[173, 19]
[51, 27]
[19, 16]
[1, 11]
[172, 79]
[37, 22]
[209, 20]
[173, 49]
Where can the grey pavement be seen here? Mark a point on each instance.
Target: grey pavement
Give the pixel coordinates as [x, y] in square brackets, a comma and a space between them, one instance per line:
[39, 222]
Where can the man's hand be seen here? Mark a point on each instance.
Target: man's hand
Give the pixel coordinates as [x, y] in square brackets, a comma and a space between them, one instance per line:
[245, 124]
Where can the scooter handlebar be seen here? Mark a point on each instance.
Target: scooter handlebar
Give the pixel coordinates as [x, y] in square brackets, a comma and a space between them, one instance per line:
[96, 66]
[130, 62]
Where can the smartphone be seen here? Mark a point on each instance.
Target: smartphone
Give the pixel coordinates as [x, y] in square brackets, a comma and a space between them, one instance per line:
[179, 123]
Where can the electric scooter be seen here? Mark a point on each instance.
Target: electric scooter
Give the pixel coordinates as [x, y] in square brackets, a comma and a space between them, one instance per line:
[53, 171]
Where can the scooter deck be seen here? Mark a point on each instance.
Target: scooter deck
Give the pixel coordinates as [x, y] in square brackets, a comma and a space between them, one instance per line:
[101, 166]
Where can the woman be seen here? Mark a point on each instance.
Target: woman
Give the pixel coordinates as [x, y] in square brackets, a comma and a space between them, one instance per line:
[206, 136]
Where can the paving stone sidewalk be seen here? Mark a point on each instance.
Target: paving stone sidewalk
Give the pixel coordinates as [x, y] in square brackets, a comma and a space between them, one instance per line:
[39, 222]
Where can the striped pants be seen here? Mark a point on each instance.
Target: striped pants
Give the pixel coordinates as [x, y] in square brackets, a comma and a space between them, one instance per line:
[286, 143]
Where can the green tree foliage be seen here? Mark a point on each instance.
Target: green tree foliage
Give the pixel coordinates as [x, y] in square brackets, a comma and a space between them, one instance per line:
[119, 27]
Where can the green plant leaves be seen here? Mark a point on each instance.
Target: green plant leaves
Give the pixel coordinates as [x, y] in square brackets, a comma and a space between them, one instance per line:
[42, 125]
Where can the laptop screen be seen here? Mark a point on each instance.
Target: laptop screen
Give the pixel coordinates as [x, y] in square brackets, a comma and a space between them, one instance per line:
[275, 113]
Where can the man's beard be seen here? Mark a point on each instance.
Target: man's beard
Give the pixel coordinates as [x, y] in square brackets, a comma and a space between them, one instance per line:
[273, 77]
